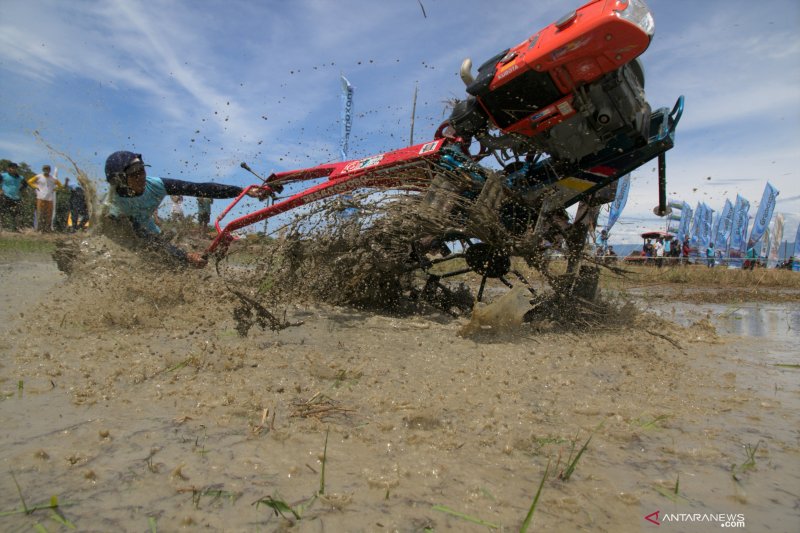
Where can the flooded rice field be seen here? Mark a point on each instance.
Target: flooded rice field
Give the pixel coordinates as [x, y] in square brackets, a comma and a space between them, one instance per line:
[136, 406]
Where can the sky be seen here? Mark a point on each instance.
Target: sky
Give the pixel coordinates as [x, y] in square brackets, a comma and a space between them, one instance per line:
[198, 87]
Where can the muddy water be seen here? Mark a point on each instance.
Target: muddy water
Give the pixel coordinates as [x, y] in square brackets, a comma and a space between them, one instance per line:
[172, 419]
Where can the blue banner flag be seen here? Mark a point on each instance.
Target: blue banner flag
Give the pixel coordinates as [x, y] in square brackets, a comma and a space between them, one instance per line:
[620, 199]
[724, 228]
[705, 231]
[740, 221]
[347, 116]
[697, 225]
[683, 226]
[738, 231]
[796, 254]
[764, 214]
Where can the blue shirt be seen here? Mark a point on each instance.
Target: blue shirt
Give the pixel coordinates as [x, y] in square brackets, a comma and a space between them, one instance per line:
[140, 209]
[11, 185]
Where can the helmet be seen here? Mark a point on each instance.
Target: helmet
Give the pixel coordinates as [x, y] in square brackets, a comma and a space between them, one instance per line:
[116, 165]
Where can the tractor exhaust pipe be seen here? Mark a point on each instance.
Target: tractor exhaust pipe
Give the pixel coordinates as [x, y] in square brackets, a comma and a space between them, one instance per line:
[465, 72]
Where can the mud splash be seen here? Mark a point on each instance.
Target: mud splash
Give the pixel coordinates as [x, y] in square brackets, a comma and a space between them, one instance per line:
[146, 406]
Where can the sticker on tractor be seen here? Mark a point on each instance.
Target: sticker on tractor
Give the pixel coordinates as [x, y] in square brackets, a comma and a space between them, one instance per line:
[363, 163]
[564, 108]
[429, 147]
[543, 113]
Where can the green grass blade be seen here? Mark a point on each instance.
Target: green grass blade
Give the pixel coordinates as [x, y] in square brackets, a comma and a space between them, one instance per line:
[463, 516]
[324, 460]
[19, 491]
[279, 506]
[571, 468]
[529, 516]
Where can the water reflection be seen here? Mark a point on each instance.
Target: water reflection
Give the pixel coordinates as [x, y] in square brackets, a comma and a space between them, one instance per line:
[776, 321]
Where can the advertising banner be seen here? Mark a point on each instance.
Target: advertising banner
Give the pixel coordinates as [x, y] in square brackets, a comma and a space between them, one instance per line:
[763, 215]
[347, 117]
[620, 199]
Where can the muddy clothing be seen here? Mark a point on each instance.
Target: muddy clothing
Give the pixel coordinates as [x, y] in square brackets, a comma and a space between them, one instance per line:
[139, 210]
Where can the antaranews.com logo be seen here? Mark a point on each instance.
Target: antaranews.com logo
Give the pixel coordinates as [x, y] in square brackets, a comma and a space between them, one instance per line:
[723, 519]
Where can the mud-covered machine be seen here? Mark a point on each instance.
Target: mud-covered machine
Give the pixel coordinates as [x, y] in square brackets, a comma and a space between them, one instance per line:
[564, 114]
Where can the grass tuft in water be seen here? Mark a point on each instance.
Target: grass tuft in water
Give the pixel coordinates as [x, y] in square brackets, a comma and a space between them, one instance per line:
[748, 464]
[56, 514]
[295, 511]
[572, 462]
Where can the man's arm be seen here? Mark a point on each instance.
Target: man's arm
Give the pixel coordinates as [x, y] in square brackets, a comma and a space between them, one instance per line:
[205, 190]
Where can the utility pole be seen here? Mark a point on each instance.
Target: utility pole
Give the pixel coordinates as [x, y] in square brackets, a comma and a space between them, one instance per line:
[413, 114]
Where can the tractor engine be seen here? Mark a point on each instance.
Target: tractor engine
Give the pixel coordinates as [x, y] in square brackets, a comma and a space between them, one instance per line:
[574, 89]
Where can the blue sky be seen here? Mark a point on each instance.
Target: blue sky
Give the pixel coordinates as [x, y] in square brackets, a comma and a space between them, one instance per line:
[199, 86]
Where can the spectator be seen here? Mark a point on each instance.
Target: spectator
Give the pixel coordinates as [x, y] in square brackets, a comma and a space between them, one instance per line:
[602, 242]
[177, 206]
[204, 212]
[45, 186]
[78, 211]
[11, 184]
[62, 200]
[658, 248]
[647, 251]
[686, 250]
[750, 258]
[710, 255]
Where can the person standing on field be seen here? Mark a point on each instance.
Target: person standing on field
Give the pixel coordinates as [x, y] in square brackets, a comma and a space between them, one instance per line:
[45, 186]
[11, 184]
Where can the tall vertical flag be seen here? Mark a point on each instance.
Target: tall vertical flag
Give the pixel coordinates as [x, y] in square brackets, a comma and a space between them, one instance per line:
[724, 228]
[347, 117]
[764, 214]
[777, 235]
[683, 226]
[739, 229]
[765, 246]
[796, 254]
[697, 226]
[620, 199]
[705, 231]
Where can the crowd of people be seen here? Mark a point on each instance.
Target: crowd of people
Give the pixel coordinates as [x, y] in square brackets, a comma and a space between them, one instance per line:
[40, 201]
[661, 250]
